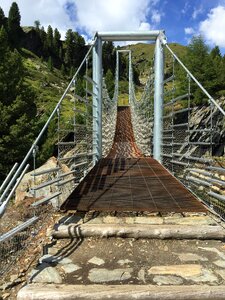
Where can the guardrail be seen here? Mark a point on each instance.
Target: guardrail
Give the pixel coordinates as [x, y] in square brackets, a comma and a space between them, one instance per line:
[193, 136]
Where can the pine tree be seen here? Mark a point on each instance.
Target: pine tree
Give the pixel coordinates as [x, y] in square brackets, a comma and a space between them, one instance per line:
[61, 53]
[109, 81]
[56, 42]
[216, 57]
[74, 48]
[222, 74]
[50, 64]
[43, 37]
[14, 29]
[2, 18]
[108, 56]
[42, 34]
[79, 89]
[37, 25]
[200, 63]
[49, 37]
[3, 42]
[63, 69]
[69, 47]
[17, 107]
[215, 52]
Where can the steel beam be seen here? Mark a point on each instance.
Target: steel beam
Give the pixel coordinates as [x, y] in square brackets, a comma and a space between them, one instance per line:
[129, 35]
[97, 100]
[158, 99]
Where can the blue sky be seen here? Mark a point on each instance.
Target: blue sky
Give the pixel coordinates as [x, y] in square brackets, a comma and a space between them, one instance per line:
[181, 19]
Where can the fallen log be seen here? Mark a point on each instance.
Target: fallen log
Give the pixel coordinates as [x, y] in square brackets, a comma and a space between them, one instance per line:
[137, 231]
[121, 292]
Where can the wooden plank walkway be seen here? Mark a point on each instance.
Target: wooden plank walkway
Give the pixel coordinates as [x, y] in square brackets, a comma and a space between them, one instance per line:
[127, 181]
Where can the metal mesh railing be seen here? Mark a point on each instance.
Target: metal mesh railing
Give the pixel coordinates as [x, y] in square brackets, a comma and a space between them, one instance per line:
[75, 137]
[20, 245]
[193, 136]
[142, 115]
[109, 113]
[69, 130]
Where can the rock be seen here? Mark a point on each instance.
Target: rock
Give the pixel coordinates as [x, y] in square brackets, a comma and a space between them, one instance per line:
[184, 271]
[112, 220]
[221, 273]
[206, 276]
[190, 257]
[105, 275]
[148, 220]
[124, 261]
[70, 268]
[5, 296]
[15, 281]
[51, 259]
[141, 275]
[95, 221]
[45, 274]
[167, 280]
[219, 253]
[190, 220]
[24, 189]
[6, 286]
[96, 261]
[52, 251]
[47, 258]
[189, 272]
[64, 261]
[13, 277]
[219, 263]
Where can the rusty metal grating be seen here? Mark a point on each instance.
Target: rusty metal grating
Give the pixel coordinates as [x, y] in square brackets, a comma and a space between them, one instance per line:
[131, 184]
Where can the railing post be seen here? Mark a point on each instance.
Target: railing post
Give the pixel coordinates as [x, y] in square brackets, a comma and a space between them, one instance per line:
[130, 76]
[158, 99]
[117, 74]
[97, 100]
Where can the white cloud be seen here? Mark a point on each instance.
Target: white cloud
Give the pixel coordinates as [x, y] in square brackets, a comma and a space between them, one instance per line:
[88, 16]
[186, 7]
[144, 26]
[156, 16]
[213, 27]
[48, 12]
[197, 12]
[102, 15]
[189, 30]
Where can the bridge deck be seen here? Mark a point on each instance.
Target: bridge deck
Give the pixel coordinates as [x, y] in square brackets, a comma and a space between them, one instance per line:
[132, 184]
[127, 181]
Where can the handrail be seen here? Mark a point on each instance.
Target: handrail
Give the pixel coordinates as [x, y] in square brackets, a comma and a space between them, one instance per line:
[8, 177]
[4, 204]
[45, 126]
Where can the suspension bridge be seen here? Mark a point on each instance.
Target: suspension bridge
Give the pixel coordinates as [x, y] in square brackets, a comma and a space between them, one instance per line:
[159, 154]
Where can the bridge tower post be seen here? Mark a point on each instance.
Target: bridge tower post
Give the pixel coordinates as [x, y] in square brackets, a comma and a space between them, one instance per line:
[97, 100]
[130, 76]
[158, 98]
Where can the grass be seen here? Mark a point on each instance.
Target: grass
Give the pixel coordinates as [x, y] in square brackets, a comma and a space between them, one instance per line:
[142, 55]
[48, 86]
